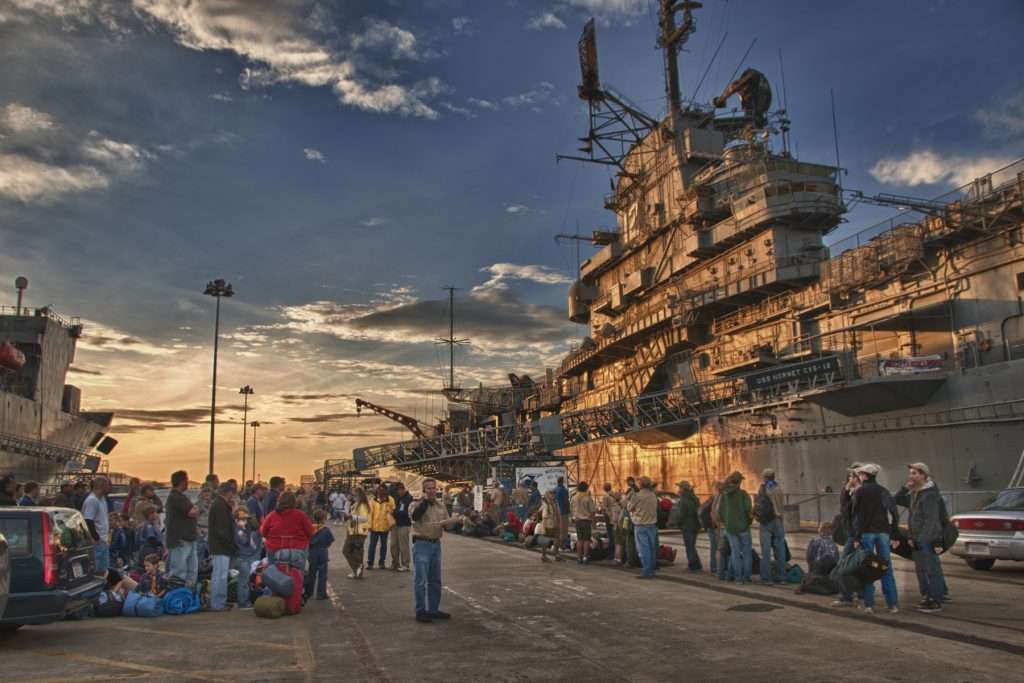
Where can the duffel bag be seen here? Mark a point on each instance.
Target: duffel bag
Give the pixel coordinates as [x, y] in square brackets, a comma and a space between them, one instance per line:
[278, 581]
[872, 568]
[850, 564]
[293, 601]
[269, 607]
[142, 605]
[815, 584]
[181, 601]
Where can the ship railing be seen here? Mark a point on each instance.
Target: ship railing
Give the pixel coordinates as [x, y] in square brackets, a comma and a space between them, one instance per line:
[72, 458]
[44, 312]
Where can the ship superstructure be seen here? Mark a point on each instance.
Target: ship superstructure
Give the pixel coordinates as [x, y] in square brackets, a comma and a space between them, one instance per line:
[43, 430]
[726, 333]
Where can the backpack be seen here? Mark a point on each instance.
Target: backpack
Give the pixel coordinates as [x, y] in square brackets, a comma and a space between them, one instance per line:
[794, 574]
[666, 553]
[764, 511]
[815, 584]
[704, 514]
[949, 532]
[181, 601]
[108, 604]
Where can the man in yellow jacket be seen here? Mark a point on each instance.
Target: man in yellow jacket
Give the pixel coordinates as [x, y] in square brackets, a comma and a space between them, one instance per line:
[382, 518]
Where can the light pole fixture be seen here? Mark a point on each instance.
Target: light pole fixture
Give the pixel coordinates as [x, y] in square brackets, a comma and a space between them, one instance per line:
[254, 424]
[218, 289]
[246, 392]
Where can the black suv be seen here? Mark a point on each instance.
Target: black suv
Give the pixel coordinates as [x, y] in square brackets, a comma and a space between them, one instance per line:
[52, 565]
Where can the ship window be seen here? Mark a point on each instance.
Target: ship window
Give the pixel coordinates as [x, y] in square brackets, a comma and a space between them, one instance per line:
[705, 361]
[1020, 280]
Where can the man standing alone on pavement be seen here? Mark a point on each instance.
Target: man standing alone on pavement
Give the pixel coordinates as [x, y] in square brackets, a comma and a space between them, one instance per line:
[772, 533]
[182, 531]
[400, 532]
[735, 512]
[562, 497]
[643, 513]
[927, 517]
[429, 517]
[221, 537]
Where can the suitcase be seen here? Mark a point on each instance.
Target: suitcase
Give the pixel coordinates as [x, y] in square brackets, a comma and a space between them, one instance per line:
[269, 607]
[293, 601]
[278, 580]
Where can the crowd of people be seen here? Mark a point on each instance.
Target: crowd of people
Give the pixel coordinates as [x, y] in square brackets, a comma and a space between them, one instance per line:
[622, 528]
[226, 533]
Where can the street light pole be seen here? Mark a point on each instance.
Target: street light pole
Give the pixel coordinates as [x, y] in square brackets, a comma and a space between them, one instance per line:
[254, 424]
[218, 289]
[246, 392]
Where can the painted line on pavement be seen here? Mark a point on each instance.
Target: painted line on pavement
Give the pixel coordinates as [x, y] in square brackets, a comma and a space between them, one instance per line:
[131, 666]
[219, 640]
[360, 644]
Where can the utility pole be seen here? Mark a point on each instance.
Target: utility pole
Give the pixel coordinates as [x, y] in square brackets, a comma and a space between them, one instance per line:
[254, 424]
[451, 341]
[246, 392]
[218, 289]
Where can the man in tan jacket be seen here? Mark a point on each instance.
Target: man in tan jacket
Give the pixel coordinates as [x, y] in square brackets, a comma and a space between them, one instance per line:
[643, 511]
[581, 509]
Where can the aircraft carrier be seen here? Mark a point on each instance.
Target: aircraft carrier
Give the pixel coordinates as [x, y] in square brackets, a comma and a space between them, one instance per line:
[43, 431]
[728, 331]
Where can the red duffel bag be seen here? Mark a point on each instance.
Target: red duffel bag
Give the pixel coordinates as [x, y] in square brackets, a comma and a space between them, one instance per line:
[293, 602]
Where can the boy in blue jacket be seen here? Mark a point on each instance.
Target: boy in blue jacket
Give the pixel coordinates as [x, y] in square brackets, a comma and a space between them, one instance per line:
[322, 539]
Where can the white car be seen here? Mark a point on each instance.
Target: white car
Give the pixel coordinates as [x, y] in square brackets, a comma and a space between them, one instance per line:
[995, 532]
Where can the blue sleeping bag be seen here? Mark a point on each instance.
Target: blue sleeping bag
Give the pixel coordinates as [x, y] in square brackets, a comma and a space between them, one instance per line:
[142, 605]
[181, 601]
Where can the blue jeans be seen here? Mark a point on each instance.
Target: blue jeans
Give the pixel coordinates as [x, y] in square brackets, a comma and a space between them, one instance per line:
[713, 541]
[219, 581]
[740, 557]
[243, 566]
[692, 558]
[184, 562]
[378, 537]
[647, 547]
[426, 578]
[930, 579]
[773, 538]
[102, 563]
[879, 544]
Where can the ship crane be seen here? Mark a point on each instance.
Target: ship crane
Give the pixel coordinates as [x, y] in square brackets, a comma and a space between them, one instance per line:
[410, 423]
[755, 96]
[926, 206]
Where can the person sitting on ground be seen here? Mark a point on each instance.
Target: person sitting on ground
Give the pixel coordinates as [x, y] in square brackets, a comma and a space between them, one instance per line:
[822, 551]
[153, 581]
[551, 523]
[512, 525]
[581, 508]
[250, 547]
[316, 577]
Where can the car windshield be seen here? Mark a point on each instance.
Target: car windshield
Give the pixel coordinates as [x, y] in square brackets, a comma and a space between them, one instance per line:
[1010, 499]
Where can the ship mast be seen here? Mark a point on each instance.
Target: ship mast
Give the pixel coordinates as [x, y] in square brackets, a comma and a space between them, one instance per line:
[451, 390]
[672, 39]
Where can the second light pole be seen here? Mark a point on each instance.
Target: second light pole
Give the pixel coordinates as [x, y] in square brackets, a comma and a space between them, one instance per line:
[246, 392]
[218, 289]
[254, 424]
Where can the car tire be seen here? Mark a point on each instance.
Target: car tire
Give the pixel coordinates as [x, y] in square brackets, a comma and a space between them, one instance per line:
[981, 564]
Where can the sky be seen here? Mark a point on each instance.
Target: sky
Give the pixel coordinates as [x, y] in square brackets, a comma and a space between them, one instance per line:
[340, 162]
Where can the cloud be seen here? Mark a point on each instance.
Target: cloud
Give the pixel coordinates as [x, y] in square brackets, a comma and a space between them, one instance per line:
[325, 417]
[463, 26]
[19, 118]
[620, 8]
[502, 274]
[373, 221]
[926, 167]
[30, 181]
[116, 157]
[298, 399]
[314, 154]
[545, 20]
[282, 45]
[1006, 119]
[340, 435]
[544, 93]
[483, 104]
[221, 97]
[516, 209]
[99, 337]
[468, 113]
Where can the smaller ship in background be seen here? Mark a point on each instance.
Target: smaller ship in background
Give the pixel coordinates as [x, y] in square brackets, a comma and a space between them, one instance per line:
[43, 430]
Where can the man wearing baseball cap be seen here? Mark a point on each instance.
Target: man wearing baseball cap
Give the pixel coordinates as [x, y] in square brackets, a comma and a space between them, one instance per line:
[921, 496]
[874, 517]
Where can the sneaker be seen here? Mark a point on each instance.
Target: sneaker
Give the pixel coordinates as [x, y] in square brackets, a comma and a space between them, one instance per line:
[930, 607]
[842, 603]
[353, 575]
[359, 573]
[924, 601]
[948, 598]
[893, 610]
[544, 555]
[423, 618]
[403, 569]
[868, 610]
[439, 615]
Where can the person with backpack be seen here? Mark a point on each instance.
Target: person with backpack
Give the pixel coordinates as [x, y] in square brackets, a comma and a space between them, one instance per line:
[772, 533]
[250, 547]
[736, 513]
[689, 524]
[874, 519]
[928, 517]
